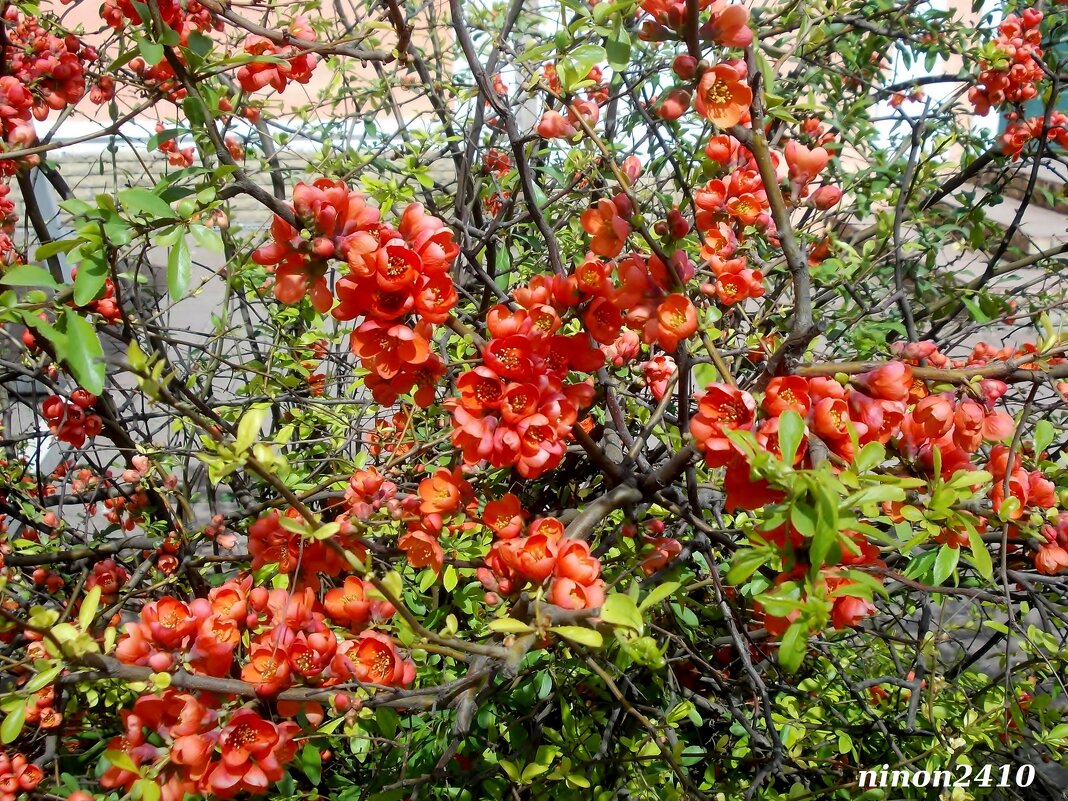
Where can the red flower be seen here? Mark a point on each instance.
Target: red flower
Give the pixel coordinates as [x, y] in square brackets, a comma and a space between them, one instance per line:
[721, 408]
[443, 492]
[480, 389]
[169, 620]
[786, 392]
[310, 654]
[531, 557]
[267, 668]
[422, 550]
[269, 542]
[830, 419]
[744, 492]
[570, 594]
[389, 349]
[849, 610]
[676, 319]
[554, 125]
[934, 414]
[373, 658]
[804, 163]
[574, 561]
[350, 604]
[1051, 559]
[509, 356]
[603, 320]
[505, 516]
[253, 751]
[892, 381]
[723, 96]
[608, 229]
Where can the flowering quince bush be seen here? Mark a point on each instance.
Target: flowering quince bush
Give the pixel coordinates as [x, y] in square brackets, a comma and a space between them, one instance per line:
[474, 400]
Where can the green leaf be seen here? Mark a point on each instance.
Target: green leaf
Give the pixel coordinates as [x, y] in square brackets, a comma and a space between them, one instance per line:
[207, 238]
[121, 760]
[791, 431]
[870, 456]
[151, 52]
[449, 578]
[793, 646]
[42, 679]
[147, 789]
[311, 762]
[591, 638]
[29, 275]
[576, 65]
[250, 426]
[658, 594]
[1044, 434]
[945, 563]
[803, 518]
[84, 355]
[509, 625]
[179, 269]
[745, 564]
[618, 47]
[510, 769]
[90, 605]
[139, 200]
[49, 249]
[621, 610]
[12, 725]
[92, 275]
[121, 61]
[980, 555]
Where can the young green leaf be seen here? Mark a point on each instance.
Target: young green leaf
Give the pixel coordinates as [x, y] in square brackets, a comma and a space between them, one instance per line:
[84, 356]
[179, 269]
[791, 431]
[28, 275]
[12, 725]
[793, 646]
[591, 638]
[945, 563]
[621, 610]
[658, 594]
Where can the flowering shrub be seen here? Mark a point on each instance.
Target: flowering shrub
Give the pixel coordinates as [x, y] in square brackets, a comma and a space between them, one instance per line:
[647, 400]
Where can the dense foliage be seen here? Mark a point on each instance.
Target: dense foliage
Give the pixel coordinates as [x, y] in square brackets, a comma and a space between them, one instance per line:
[616, 400]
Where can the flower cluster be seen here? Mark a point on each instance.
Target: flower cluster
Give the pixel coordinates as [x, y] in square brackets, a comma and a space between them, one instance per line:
[541, 554]
[51, 67]
[17, 775]
[44, 72]
[1012, 68]
[196, 750]
[727, 23]
[110, 577]
[515, 409]
[42, 711]
[393, 275]
[288, 63]
[443, 500]
[69, 421]
[1051, 557]
[176, 156]
[183, 16]
[846, 598]
[726, 207]
[276, 638]
[276, 539]
[1019, 132]
[874, 408]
